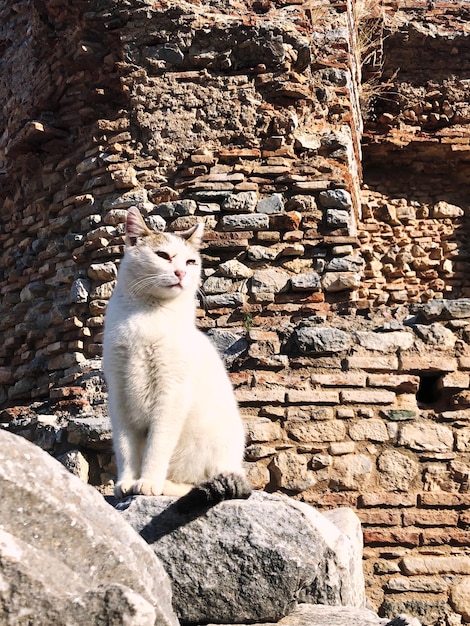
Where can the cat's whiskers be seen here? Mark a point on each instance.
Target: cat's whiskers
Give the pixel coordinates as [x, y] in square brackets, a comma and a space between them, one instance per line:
[141, 285]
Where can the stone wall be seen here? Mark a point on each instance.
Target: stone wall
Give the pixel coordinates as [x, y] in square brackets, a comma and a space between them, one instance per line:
[340, 306]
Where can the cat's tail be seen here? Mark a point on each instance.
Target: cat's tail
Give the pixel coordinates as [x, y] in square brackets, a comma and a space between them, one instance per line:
[221, 487]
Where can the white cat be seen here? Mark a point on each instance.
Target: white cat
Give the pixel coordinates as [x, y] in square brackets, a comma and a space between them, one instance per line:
[173, 412]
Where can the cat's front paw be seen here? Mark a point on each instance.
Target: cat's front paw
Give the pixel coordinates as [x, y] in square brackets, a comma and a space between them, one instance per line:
[145, 487]
[124, 488]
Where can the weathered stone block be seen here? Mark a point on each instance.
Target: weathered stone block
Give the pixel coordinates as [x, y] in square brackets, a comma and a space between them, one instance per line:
[243, 202]
[272, 547]
[351, 472]
[220, 301]
[443, 210]
[347, 263]
[260, 394]
[446, 309]
[336, 218]
[90, 432]
[426, 437]
[417, 565]
[427, 363]
[369, 430]
[460, 598]
[235, 269]
[336, 199]
[271, 204]
[436, 334]
[217, 284]
[396, 470]
[231, 345]
[324, 431]
[305, 282]
[261, 429]
[315, 396]
[321, 339]
[373, 362]
[385, 342]
[290, 471]
[333, 282]
[84, 563]
[399, 383]
[366, 396]
[430, 518]
[103, 271]
[245, 222]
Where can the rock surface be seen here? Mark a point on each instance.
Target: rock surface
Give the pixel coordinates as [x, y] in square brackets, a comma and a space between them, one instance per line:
[251, 561]
[321, 615]
[66, 557]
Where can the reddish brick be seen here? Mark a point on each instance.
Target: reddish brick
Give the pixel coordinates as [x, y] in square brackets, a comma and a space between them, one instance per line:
[358, 396]
[330, 500]
[445, 537]
[400, 383]
[370, 362]
[442, 498]
[385, 517]
[430, 518]
[339, 379]
[260, 395]
[387, 499]
[427, 362]
[389, 537]
[314, 396]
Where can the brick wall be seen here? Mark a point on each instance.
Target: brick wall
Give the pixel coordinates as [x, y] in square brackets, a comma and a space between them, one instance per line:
[336, 272]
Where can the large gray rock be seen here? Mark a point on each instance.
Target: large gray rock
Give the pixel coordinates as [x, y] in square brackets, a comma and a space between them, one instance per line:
[252, 560]
[66, 557]
[321, 339]
[446, 309]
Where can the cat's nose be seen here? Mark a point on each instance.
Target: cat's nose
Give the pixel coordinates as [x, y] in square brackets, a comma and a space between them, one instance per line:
[180, 274]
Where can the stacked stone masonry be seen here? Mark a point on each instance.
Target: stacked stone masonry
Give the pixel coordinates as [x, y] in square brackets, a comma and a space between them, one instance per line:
[326, 148]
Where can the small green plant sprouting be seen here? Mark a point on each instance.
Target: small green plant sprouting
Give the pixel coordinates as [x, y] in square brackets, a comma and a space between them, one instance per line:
[247, 321]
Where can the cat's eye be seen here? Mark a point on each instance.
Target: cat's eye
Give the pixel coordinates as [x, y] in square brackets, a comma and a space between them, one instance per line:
[191, 262]
[163, 255]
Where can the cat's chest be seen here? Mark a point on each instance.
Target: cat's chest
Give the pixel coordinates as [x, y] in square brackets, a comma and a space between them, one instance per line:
[133, 325]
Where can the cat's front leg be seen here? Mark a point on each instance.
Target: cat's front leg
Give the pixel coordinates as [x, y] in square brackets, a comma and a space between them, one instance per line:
[161, 441]
[128, 447]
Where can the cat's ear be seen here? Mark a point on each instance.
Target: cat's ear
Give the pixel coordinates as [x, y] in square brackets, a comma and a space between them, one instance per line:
[194, 235]
[135, 226]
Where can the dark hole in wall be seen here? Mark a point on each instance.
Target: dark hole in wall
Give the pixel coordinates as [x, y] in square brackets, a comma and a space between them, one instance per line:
[429, 392]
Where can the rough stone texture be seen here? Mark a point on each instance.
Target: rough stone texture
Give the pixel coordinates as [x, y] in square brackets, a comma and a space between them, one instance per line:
[397, 470]
[193, 112]
[84, 565]
[308, 615]
[66, 556]
[460, 598]
[252, 560]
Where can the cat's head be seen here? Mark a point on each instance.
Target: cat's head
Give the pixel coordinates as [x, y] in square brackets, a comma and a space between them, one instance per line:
[161, 265]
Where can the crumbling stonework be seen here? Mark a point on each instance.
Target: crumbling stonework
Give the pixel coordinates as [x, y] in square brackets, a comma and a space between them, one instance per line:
[336, 278]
